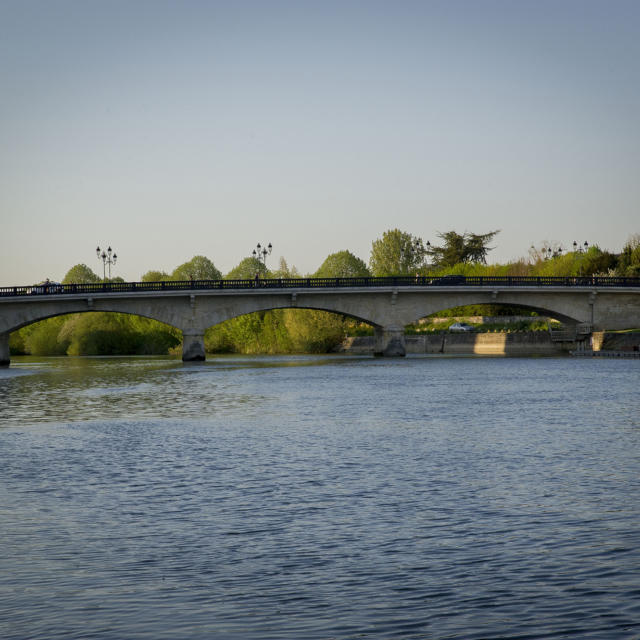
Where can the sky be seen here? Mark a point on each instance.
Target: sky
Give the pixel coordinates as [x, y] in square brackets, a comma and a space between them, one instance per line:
[168, 129]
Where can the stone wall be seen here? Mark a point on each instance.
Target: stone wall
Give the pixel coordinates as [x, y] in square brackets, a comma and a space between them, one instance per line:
[523, 343]
[606, 341]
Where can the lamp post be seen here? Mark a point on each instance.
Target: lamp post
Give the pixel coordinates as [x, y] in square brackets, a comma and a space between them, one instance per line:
[261, 253]
[108, 257]
[580, 248]
[407, 252]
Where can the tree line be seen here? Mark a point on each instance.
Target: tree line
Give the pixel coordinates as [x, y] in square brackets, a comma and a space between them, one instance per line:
[299, 330]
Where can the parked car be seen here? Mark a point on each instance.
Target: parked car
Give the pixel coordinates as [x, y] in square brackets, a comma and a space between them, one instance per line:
[46, 286]
[447, 280]
[460, 327]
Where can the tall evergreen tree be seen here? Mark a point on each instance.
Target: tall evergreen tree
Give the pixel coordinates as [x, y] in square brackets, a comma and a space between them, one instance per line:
[461, 248]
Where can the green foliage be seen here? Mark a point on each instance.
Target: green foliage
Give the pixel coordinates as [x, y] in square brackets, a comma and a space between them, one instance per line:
[277, 331]
[575, 263]
[95, 333]
[284, 271]
[468, 247]
[490, 310]
[342, 264]
[358, 329]
[43, 338]
[629, 261]
[247, 270]
[198, 268]
[396, 253]
[80, 274]
[16, 344]
[155, 276]
[260, 332]
[312, 331]
[98, 334]
[489, 327]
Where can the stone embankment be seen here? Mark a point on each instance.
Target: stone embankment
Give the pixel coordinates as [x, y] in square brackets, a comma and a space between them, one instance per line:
[523, 343]
[612, 345]
[613, 341]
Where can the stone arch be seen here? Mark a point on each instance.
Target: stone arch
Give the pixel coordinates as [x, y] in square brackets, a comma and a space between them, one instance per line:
[39, 318]
[542, 311]
[410, 308]
[305, 307]
[193, 348]
[38, 315]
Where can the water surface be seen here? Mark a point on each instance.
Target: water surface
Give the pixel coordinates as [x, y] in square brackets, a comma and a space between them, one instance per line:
[319, 497]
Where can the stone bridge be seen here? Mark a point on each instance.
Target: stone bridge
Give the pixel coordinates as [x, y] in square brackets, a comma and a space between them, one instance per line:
[388, 304]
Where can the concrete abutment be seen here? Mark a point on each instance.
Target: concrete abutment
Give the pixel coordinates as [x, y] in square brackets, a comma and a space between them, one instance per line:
[4, 350]
[389, 342]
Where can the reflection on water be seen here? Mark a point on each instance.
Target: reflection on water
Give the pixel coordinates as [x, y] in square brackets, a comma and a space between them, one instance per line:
[319, 497]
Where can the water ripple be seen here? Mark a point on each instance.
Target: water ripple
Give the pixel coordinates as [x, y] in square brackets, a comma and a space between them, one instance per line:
[320, 498]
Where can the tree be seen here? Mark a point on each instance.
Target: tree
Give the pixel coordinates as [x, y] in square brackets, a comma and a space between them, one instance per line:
[80, 274]
[461, 248]
[247, 269]
[477, 246]
[342, 264]
[597, 262]
[155, 276]
[284, 271]
[629, 261]
[198, 268]
[396, 253]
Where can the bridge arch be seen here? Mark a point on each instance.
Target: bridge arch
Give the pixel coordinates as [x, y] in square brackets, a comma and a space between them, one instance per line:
[25, 322]
[302, 329]
[95, 333]
[541, 311]
[411, 309]
[211, 314]
[216, 319]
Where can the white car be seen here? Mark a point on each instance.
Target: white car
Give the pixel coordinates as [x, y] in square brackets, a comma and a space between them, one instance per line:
[461, 327]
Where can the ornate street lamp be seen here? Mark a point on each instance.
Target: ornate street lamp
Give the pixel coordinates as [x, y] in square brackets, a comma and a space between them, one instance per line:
[580, 248]
[552, 253]
[408, 252]
[108, 258]
[261, 253]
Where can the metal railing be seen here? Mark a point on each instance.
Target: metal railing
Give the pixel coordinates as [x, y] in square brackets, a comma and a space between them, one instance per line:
[320, 283]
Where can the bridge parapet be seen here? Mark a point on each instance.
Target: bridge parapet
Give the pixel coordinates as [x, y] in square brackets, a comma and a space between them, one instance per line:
[319, 283]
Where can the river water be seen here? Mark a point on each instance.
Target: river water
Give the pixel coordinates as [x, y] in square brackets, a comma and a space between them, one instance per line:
[319, 498]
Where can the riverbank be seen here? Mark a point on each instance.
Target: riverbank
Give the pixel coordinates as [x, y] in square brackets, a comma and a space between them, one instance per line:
[521, 343]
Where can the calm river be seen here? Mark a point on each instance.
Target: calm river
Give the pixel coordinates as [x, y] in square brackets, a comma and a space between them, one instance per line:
[319, 498]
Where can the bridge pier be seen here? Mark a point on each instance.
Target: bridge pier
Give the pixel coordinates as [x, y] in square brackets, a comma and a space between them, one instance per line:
[192, 347]
[389, 342]
[4, 349]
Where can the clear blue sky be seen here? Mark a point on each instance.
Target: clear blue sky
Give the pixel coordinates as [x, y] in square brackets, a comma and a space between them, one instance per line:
[170, 129]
